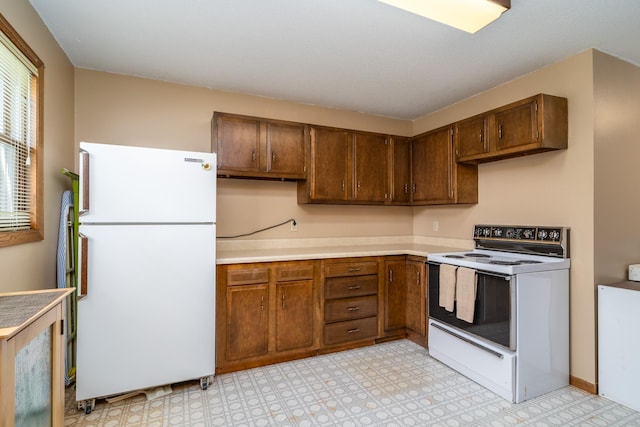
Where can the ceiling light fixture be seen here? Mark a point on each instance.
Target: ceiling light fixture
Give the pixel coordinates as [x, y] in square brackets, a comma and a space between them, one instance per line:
[465, 15]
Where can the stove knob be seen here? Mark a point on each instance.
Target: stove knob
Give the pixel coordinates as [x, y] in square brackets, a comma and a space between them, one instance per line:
[497, 232]
[528, 234]
[554, 235]
[511, 233]
[486, 232]
[542, 234]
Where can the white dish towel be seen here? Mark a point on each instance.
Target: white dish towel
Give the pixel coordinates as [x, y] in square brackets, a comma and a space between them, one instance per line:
[447, 295]
[466, 286]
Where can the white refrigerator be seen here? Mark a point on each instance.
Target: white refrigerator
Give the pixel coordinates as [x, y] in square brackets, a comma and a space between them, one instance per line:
[146, 307]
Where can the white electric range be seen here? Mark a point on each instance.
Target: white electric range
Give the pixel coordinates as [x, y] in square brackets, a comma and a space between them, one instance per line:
[517, 343]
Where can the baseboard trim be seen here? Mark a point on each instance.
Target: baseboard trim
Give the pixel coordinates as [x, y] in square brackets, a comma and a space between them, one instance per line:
[583, 385]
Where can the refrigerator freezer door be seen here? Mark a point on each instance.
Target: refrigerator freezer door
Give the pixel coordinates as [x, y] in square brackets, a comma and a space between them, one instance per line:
[121, 184]
[148, 317]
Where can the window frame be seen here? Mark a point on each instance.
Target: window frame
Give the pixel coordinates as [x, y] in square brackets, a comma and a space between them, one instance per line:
[36, 231]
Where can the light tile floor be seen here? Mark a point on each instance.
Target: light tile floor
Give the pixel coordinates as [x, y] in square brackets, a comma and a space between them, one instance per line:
[390, 384]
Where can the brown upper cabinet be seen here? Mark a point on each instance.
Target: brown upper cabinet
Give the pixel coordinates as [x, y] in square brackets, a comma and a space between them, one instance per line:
[532, 125]
[342, 166]
[437, 178]
[400, 173]
[253, 147]
[345, 167]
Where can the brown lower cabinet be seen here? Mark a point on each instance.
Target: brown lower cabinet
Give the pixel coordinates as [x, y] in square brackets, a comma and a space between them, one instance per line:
[350, 300]
[395, 295]
[276, 311]
[416, 307]
[266, 313]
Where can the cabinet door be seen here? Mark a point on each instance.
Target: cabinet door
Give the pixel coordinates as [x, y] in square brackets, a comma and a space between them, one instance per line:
[395, 295]
[247, 321]
[285, 150]
[237, 143]
[517, 125]
[330, 159]
[471, 136]
[419, 170]
[370, 167]
[433, 167]
[400, 166]
[294, 315]
[416, 294]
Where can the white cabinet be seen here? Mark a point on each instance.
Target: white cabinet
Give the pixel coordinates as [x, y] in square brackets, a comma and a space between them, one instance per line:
[619, 343]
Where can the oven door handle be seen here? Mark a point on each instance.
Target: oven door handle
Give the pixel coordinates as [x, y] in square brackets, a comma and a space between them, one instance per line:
[482, 272]
[467, 340]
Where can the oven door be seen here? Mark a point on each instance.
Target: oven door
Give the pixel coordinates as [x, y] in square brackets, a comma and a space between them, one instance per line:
[494, 317]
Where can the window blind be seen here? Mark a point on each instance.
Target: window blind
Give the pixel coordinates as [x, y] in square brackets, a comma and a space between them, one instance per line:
[18, 80]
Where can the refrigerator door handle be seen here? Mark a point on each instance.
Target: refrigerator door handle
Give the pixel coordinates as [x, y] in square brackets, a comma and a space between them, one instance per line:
[84, 182]
[83, 270]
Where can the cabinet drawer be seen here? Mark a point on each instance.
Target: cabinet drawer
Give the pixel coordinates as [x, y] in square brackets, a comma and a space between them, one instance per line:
[343, 287]
[339, 269]
[293, 273]
[352, 330]
[247, 276]
[350, 308]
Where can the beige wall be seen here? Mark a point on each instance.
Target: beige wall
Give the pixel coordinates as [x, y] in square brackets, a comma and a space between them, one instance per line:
[32, 265]
[132, 111]
[587, 188]
[617, 172]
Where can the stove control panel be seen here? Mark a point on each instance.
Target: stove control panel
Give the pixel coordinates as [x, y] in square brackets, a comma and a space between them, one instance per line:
[528, 233]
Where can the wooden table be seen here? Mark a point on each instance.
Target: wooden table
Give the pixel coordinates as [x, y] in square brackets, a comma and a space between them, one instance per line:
[32, 345]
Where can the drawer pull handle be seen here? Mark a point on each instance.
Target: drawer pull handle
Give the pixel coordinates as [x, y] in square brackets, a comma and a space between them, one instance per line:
[353, 331]
[355, 308]
[354, 288]
[354, 269]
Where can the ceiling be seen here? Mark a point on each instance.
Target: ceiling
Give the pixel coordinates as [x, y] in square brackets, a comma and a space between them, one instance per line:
[357, 55]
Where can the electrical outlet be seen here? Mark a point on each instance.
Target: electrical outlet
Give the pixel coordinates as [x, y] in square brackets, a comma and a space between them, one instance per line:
[436, 225]
[294, 226]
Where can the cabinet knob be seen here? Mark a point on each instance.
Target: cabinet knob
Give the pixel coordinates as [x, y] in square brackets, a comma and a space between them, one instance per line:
[390, 276]
[273, 157]
[253, 155]
[262, 304]
[406, 188]
[418, 277]
[283, 304]
[500, 131]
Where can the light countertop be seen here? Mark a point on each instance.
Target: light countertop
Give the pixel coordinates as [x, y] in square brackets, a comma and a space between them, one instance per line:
[342, 248]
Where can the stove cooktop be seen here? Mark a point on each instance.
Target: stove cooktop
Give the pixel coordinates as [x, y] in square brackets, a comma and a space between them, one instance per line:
[500, 262]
